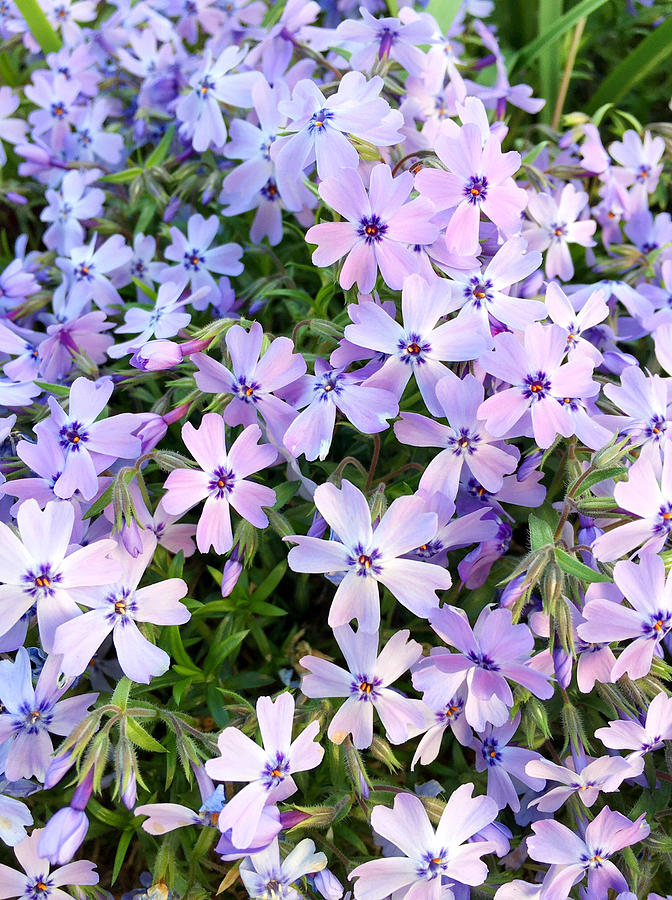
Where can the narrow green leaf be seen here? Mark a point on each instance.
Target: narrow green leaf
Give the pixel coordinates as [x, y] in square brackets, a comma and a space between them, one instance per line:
[142, 738]
[60, 390]
[120, 855]
[284, 493]
[160, 152]
[573, 566]
[39, 26]
[601, 475]
[648, 56]
[146, 289]
[543, 42]
[121, 693]
[122, 177]
[269, 584]
[107, 816]
[225, 648]
[260, 608]
[541, 533]
[444, 11]
[104, 500]
[8, 72]
[549, 64]
[393, 7]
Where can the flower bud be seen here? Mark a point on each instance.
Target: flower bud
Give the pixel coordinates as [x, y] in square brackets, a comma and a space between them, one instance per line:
[63, 835]
[155, 356]
[230, 575]
[59, 765]
[328, 885]
[381, 750]
[562, 663]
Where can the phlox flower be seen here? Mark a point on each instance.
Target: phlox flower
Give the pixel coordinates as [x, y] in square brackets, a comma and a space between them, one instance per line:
[141, 266]
[13, 130]
[386, 37]
[556, 225]
[322, 394]
[65, 16]
[484, 292]
[37, 880]
[379, 227]
[24, 345]
[199, 112]
[30, 714]
[464, 440]
[67, 206]
[77, 62]
[644, 400]
[441, 713]
[478, 180]
[65, 338]
[429, 856]
[641, 737]
[37, 568]
[561, 311]
[366, 685]
[366, 556]
[14, 817]
[87, 269]
[221, 481]
[56, 99]
[267, 770]
[492, 652]
[505, 764]
[648, 619]
[417, 346]
[640, 158]
[649, 233]
[90, 141]
[647, 494]
[115, 608]
[253, 378]
[83, 439]
[603, 774]
[574, 856]
[197, 260]
[264, 874]
[319, 128]
[16, 283]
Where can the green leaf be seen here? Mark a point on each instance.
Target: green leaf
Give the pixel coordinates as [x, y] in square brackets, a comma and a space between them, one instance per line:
[284, 493]
[147, 210]
[269, 584]
[260, 608]
[160, 152]
[107, 816]
[573, 566]
[60, 390]
[543, 42]
[146, 289]
[549, 69]
[104, 500]
[541, 533]
[121, 693]
[122, 177]
[225, 648]
[648, 56]
[444, 11]
[601, 475]
[142, 738]
[39, 26]
[120, 855]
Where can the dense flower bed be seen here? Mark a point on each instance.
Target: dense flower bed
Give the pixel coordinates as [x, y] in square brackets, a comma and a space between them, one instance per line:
[336, 477]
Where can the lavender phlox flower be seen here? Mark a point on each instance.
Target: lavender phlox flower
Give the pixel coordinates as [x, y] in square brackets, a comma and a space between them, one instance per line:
[269, 203]
[418, 345]
[56, 99]
[366, 686]
[30, 714]
[253, 378]
[505, 764]
[366, 556]
[90, 140]
[268, 769]
[379, 227]
[65, 16]
[464, 440]
[199, 112]
[16, 283]
[65, 831]
[347, 352]
[555, 224]
[428, 856]
[644, 736]
[164, 320]
[649, 233]
[24, 345]
[484, 292]
[659, 295]
[196, 259]
[141, 266]
[36, 880]
[320, 127]
[88, 268]
[13, 130]
[66, 338]
[478, 180]
[641, 159]
[37, 568]
[576, 856]
[492, 652]
[14, 817]
[562, 312]
[168, 531]
[648, 620]
[594, 158]
[372, 39]
[542, 385]
[221, 480]
[192, 13]
[84, 440]
[72, 202]
[441, 711]
[77, 62]
[603, 774]
[265, 875]
[453, 533]
[644, 400]
[322, 394]
[646, 494]
[116, 608]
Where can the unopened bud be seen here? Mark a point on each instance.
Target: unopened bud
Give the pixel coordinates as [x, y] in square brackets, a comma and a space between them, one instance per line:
[535, 719]
[434, 807]
[553, 584]
[575, 735]
[168, 460]
[357, 771]
[381, 750]
[378, 503]
[610, 454]
[279, 523]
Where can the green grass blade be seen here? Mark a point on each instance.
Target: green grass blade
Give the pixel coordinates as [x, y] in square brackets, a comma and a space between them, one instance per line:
[40, 28]
[549, 65]
[560, 26]
[444, 11]
[647, 56]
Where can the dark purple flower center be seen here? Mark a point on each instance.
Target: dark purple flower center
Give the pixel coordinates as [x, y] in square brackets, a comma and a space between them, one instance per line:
[536, 385]
[478, 292]
[33, 718]
[221, 482]
[84, 136]
[270, 191]
[658, 624]
[594, 858]
[387, 39]
[476, 189]
[41, 582]
[413, 349]
[193, 260]
[318, 121]
[38, 888]
[558, 230]
[64, 212]
[649, 246]
[371, 228]
[656, 427]
[433, 864]
[328, 385]
[490, 751]
[246, 391]
[426, 551]
[463, 442]
[204, 86]
[477, 490]
[451, 713]
[364, 687]
[84, 271]
[275, 771]
[364, 561]
[643, 172]
[59, 110]
[483, 661]
[122, 606]
[72, 436]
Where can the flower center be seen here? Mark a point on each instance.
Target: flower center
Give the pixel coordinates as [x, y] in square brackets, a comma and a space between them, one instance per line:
[476, 189]
[558, 230]
[536, 385]
[275, 770]
[83, 272]
[270, 190]
[72, 436]
[365, 562]
[372, 229]
[204, 86]
[221, 482]
[318, 121]
[193, 260]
